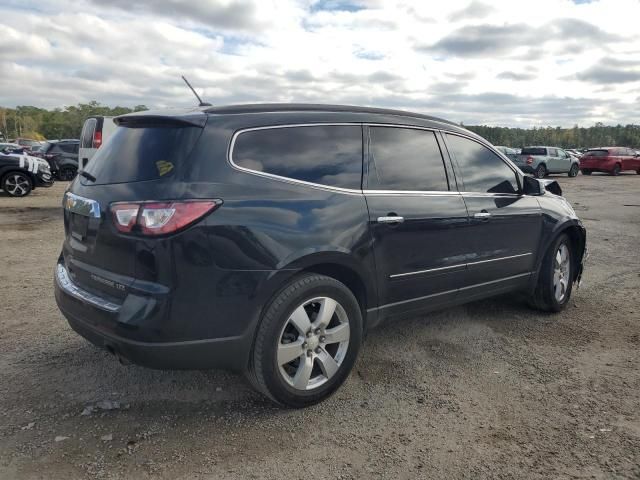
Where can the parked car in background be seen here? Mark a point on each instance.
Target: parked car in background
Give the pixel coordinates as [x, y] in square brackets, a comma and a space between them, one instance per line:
[511, 153]
[611, 160]
[27, 142]
[20, 174]
[62, 156]
[541, 161]
[247, 237]
[9, 147]
[95, 132]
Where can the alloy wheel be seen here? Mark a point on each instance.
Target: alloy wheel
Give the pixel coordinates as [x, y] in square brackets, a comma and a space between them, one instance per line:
[561, 272]
[17, 185]
[313, 343]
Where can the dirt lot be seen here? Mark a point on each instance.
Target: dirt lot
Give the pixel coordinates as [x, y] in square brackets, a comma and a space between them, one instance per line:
[491, 389]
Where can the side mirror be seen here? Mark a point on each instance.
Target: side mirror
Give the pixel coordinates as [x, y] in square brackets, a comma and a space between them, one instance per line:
[532, 186]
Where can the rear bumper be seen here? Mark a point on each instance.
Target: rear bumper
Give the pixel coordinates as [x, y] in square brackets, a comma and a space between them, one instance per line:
[98, 319]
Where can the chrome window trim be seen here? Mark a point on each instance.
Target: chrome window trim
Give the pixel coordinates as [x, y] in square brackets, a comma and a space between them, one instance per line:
[460, 265]
[449, 291]
[294, 181]
[320, 186]
[66, 284]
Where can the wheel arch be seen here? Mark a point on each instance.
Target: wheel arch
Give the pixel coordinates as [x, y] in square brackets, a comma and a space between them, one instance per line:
[577, 235]
[8, 170]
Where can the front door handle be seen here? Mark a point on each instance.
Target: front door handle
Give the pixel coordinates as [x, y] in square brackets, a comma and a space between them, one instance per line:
[390, 219]
[481, 215]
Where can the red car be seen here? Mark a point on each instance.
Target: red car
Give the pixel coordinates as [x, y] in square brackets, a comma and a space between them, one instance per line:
[611, 160]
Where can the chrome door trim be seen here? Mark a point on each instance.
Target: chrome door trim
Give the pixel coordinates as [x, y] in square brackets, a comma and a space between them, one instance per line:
[81, 205]
[500, 258]
[460, 265]
[449, 291]
[390, 219]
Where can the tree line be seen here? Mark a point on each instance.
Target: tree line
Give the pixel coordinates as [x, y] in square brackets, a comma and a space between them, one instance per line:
[41, 124]
[599, 135]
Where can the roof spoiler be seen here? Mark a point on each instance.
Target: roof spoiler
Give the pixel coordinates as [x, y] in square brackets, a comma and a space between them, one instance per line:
[145, 120]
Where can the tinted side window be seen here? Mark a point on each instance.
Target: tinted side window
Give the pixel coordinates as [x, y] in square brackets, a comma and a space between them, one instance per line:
[405, 159]
[86, 138]
[482, 170]
[328, 154]
[69, 147]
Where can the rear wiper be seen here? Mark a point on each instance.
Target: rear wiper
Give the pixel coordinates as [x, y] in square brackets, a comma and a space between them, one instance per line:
[87, 175]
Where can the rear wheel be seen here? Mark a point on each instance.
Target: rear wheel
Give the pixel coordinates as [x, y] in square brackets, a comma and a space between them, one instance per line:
[541, 171]
[17, 184]
[573, 171]
[586, 171]
[67, 173]
[307, 341]
[616, 170]
[555, 279]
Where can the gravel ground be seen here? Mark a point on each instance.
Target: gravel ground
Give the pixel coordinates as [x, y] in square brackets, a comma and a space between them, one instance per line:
[490, 389]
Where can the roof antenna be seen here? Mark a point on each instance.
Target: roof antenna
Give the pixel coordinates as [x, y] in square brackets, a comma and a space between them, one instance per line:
[201, 104]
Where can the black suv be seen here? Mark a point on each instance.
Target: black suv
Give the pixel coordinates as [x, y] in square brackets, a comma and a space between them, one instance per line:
[21, 173]
[62, 156]
[268, 239]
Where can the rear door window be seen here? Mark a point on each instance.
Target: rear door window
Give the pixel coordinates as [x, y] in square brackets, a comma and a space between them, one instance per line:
[140, 152]
[405, 159]
[482, 170]
[534, 151]
[323, 154]
[597, 153]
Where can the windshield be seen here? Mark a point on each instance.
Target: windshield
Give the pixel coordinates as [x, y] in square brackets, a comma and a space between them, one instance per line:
[138, 153]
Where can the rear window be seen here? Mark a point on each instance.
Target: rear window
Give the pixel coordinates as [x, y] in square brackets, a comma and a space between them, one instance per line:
[324, 154]
[137, 153]
[597, 153]
[534, 151]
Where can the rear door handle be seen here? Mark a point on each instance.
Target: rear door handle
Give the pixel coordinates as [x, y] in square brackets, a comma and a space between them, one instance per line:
[481, 215]
[390, 219]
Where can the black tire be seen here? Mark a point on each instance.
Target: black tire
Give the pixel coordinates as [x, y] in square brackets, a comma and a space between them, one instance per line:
[544, 296]
[67, 173]
[616, 170]
[265, 373]
[541, 171]
[586, 171]
[638, 171]
[573, 171]
[17, 184]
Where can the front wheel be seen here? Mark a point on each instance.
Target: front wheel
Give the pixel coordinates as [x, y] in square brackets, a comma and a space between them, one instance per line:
[17, 184]
[616, 170]
[307, 341]
[573, 171]
[586, 171]
[555, 278]
[541, 171]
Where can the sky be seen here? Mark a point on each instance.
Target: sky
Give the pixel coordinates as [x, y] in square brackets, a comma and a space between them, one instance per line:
[494, 62]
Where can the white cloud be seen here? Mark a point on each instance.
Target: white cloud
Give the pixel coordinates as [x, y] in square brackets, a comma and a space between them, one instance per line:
[502, 62]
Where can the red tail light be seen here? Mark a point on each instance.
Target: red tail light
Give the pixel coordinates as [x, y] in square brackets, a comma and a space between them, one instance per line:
[529, 160]
[160, 218]
[97, 139]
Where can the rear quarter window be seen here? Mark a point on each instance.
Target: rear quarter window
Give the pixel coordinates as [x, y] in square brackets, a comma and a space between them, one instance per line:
[323, 154]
